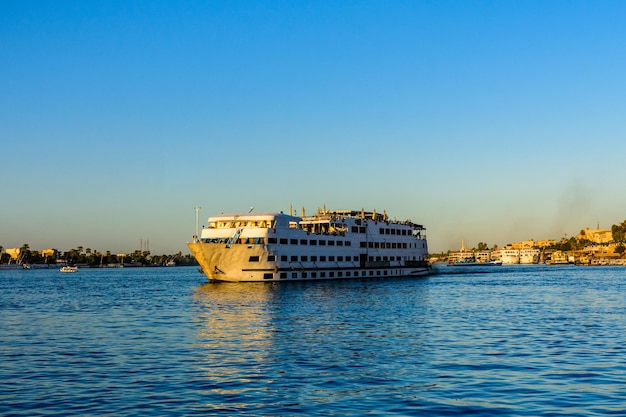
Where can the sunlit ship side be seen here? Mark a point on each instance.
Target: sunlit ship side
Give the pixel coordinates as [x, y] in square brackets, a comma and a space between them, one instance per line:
[344, 244]
[529, 256]
[509, 256]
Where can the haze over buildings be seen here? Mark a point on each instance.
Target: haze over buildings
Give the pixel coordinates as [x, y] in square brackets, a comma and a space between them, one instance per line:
[497, 122]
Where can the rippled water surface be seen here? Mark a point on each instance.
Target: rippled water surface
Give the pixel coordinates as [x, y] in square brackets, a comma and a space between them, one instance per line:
[161, 341]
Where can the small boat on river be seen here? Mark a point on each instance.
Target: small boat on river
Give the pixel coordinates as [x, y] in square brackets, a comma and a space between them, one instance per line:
[69, 268]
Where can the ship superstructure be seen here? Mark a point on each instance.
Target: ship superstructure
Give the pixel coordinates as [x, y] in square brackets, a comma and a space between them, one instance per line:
[341, 244]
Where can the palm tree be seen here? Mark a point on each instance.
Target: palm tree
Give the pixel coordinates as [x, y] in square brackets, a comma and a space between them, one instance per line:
[24, 253]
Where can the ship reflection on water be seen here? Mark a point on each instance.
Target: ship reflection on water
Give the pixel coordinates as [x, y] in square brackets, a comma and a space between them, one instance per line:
[290, 348]
[234, 342]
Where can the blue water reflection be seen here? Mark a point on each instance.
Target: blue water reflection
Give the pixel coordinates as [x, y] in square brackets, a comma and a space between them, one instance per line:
[517, 341]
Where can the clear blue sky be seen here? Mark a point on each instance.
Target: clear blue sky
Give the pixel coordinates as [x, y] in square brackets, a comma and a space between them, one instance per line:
[496, 121]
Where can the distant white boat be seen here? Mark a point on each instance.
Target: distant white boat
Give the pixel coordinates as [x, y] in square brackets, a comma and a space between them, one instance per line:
[529, 256]
[474, 263]
[509, 256]
[69, 269]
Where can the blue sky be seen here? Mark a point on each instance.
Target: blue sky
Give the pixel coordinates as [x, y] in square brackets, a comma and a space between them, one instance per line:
[493, 121]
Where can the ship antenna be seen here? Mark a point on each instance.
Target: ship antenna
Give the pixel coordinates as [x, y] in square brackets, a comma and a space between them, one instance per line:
[251, 208]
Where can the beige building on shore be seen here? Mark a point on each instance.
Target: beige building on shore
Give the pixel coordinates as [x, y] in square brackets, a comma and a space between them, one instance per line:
[595, 235]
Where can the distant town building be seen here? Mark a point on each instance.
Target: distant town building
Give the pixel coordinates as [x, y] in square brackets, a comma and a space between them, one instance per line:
[482, 256]
[526, 244]
[545, 243]
[48, 252]
[595, 235]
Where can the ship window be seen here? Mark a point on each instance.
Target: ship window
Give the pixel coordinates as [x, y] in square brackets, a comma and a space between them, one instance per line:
[283, 258]
[271, 258]
[347, 273]
[322, 274]
[294, 275]
[293, 241]
[313, 258]
[304, 258]
[362, 229]
[348, 243]
[313, 243]
[331, 258]
[283, 275]
[331, 274]
[339, 258]
[377, 272]
[268, 276]
[364, 244]
[304, 275]
[355, 229]
[313, 274]
[322, 259]
[283, 241]
[253, 259]
[331, 243]
[340, 274]
[322, 243]
[355, 258]
[363, 273]
[269, 240]
[303, 241]
[371, 273]
[381, 231]
[340, 243]
[294, 259]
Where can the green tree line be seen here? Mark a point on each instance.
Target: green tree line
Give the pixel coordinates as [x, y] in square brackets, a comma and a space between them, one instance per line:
[93, 257]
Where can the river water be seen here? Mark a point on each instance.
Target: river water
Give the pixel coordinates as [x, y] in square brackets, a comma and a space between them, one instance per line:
[531, 341]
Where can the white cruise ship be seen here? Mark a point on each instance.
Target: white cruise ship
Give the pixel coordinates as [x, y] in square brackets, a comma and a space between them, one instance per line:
[344, 244]
[529, 256]
[509, 256]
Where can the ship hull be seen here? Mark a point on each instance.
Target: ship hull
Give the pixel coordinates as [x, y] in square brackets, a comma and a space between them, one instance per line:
[225, 265]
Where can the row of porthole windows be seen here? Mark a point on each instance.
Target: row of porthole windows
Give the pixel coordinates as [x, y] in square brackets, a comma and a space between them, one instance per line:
[308, 242]
[385, 245]
[305, 258]
[402, 232]
[334, 274]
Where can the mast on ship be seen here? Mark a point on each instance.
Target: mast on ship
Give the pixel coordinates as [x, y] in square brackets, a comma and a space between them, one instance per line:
[195, 237]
